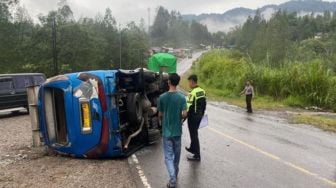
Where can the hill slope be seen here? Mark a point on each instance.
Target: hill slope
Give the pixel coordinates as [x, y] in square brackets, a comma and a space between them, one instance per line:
[237, 16]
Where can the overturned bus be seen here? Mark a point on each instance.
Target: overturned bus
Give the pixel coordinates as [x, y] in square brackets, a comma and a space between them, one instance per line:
[100, 114]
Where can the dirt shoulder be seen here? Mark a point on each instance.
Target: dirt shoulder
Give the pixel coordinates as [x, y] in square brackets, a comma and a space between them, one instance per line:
[24, 166]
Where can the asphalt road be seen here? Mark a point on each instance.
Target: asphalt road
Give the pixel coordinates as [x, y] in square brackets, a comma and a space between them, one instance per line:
[242, 150]
[184, 65]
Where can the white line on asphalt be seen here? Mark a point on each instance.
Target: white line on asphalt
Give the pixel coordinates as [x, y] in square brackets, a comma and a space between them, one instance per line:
[276, 158]
[141, 173]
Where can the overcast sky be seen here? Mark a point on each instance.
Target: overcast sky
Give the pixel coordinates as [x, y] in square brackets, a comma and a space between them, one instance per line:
[133, 10]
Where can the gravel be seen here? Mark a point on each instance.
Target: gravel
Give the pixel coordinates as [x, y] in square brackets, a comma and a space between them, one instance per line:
[24, 166]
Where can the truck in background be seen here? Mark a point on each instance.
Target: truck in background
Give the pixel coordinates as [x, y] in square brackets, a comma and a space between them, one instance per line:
[162, 62]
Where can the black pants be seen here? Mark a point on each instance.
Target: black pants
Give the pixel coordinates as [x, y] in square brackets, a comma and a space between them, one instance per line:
[193, 125]
[249, 103]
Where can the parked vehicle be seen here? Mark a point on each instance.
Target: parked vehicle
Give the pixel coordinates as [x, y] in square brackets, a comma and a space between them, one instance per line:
[188, 53]
[171, 51]
[99, 114]
[13, 93]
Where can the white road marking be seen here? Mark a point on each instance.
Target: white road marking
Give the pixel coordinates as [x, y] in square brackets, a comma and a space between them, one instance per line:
[141, 173]
[134, 160]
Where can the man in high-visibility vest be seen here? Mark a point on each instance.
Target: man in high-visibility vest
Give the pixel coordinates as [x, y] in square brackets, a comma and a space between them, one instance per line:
[196, 104]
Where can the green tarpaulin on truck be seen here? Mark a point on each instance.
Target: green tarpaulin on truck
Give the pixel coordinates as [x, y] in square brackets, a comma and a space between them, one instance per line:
[162, 62]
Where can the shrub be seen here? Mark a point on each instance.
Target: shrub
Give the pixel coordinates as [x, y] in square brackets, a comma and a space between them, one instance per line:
[297, 83]
[294, 101]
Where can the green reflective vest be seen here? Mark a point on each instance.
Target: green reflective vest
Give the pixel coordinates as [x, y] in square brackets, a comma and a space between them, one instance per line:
[194, 95]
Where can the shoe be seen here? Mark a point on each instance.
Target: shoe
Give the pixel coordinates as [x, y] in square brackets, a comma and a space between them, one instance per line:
[189, 150]
[170, 185]
[193, 158]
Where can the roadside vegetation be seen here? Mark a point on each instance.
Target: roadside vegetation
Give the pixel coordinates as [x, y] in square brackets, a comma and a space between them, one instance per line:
[170, 30]
[324, 122]
[223, 74]
[290, 60]
[58, 42]
[297, 84]
[26, 45]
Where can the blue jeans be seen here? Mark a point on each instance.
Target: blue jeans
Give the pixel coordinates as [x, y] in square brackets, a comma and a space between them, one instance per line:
[172, 153]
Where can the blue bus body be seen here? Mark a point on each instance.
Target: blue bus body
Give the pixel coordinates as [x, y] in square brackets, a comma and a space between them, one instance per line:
[99, 114]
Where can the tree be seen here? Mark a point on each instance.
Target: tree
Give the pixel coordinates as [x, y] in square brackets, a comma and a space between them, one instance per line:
[135, 40]
[160, 26]
[64, 11]
[170, 29]
[109, 21]
[84, 44]
[199, 33]
[4, 12]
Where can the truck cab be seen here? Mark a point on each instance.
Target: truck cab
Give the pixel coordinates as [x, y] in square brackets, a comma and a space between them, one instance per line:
[98, 114]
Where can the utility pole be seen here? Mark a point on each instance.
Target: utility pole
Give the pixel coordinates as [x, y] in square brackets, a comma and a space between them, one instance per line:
[149, 35]
[119, 46]
[54, 45]
[148, 20]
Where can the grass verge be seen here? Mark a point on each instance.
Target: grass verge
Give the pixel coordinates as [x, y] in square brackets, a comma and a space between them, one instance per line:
[259, 103]
[323, 122]
[266, 103]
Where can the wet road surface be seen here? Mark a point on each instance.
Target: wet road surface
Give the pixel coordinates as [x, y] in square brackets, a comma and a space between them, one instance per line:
[242, 150]
[184, 65]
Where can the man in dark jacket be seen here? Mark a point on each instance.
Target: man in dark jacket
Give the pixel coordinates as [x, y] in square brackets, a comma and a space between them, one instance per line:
[196, 103]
